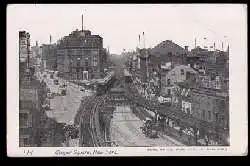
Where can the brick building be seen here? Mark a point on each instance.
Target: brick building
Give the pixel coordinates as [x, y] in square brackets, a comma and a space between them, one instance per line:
[80, 55]
[154, 61]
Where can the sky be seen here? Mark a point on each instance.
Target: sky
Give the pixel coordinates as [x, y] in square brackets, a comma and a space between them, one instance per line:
[120, 24]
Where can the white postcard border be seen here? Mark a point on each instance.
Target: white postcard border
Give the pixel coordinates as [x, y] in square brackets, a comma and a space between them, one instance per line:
[238, 107]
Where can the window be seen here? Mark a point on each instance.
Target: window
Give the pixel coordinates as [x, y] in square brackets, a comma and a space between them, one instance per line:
[169, 92]
[222, 118]
[25, 104]
[216, 117]
[209, 115]
[86, 63]
[94, 61]
[182, 71]
[203, 115]
[213, 77]
[187, 75]
[168, 82]
[23, 119]
[208, 102]
[26, 141]
[222, 104]
[85, 75]
[78, 62]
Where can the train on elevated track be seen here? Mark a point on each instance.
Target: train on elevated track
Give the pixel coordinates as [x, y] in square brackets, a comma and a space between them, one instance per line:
[105, 84]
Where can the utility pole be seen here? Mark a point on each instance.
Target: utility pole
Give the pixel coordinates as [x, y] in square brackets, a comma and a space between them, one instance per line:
[195, 43]
[53, 124]
[139, 42]
[146, 54]
[82, 22]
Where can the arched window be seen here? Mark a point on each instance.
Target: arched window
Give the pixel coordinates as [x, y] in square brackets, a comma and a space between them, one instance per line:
[168, 82]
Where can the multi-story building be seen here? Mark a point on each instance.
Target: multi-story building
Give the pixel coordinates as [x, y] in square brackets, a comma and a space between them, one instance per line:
[178, 74]
[49, 56]
[37, 54]
[153, 61]
[212, 63]
[31, 96]
[25, 118]
[80, 55]
[29, 113]
[24, 46]
[168, 51]
[208, 104]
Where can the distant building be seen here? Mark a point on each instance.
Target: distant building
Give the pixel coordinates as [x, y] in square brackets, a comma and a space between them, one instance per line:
[178, 74]
[168, 51]
[156, 62]
[209, 62]
[49, 56]
[80, 55]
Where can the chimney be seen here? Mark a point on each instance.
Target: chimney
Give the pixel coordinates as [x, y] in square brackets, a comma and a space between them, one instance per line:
[186, 48]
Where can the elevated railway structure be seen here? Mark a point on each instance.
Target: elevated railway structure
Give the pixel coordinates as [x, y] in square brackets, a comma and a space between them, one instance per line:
[130, 95]
[124, 93]
[89, 123]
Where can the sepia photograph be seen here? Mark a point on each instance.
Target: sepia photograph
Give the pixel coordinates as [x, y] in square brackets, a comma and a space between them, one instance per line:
[126, 76]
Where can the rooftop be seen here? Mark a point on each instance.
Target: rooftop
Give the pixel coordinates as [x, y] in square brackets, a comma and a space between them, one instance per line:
[168, 46]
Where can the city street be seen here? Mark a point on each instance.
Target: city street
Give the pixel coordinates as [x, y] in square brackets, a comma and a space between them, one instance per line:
[125, 131]
[64, 108]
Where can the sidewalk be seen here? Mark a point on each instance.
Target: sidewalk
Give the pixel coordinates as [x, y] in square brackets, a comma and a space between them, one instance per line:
[71, 143]
[176, 142]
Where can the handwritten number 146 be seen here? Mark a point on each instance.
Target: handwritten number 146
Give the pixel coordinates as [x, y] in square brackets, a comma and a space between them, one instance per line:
[28, 152]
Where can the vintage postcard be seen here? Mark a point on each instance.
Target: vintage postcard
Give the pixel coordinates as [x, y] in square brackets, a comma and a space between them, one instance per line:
[126, 80]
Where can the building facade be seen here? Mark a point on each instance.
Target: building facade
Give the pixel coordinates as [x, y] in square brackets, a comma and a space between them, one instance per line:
[49, 56]
[178, 74]
[24, 46]
[81, 56]
[29, 108]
